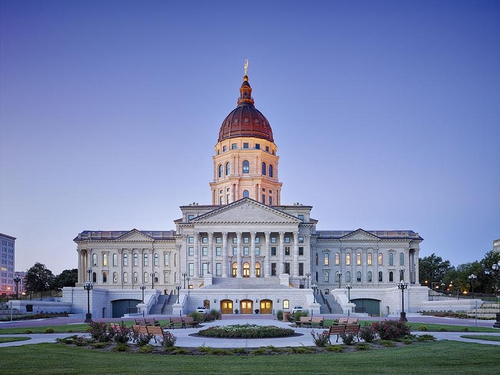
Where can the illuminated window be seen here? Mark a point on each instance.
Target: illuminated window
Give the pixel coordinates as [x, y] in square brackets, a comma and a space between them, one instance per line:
[125, 259]
[369, 259]
[348, 259]
[380, 259]
[326, 259]
[358, 259]
[337, 259]
[105, 260]
[246, 166]
[136, 260]
[94, 260]
[286, 304]
[257, 269]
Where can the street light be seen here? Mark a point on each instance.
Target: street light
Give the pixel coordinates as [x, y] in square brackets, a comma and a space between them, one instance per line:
[471, 278]
[178, 287]
[184, 274]
[17, 279]
[339, 274]
[496, 267]
[403, 285]
[314, 287]
[349, 287]
[153, 274]
[88, 286]
[143, 287]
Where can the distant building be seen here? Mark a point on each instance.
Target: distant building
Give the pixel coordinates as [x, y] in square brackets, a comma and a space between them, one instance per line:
[496, 246]
[7, 262]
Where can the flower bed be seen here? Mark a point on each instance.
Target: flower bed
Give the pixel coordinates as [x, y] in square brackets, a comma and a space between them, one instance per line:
[246, 331]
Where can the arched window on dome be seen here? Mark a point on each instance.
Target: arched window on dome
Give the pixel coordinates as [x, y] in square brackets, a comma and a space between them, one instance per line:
[264, 169]
[220, 170]
[271, 171]
[245, 193]
[228, 168]
[246, 166]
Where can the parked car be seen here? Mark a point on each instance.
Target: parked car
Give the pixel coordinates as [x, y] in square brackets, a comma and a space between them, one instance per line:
[202, 310]
[297, 308]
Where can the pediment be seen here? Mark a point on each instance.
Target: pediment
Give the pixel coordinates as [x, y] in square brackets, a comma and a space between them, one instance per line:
[246, 211]
[360, 235]
[134, 236]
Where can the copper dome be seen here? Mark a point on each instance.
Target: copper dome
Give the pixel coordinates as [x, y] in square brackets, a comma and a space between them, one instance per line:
[245, 120]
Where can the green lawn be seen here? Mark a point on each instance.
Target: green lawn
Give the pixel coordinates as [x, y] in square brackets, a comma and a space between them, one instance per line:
[11, 339]
[441, 357]
[482, 337]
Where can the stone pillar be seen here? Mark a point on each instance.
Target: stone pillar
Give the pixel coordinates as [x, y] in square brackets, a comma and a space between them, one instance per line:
[196, 255]
[252, 254]
[224, 255]
[295, 254]
[267, 255]
[238, 255]
[282, 252]
[211, 253]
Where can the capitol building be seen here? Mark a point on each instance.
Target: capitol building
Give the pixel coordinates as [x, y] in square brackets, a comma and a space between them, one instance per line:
[247, 252]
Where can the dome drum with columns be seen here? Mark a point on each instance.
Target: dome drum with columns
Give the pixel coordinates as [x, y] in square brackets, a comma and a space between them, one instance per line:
[246, 252]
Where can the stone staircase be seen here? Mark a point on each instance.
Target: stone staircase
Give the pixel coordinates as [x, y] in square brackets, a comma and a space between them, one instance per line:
[329, 305]
[158, 308]
[246, 283]
[487, 310]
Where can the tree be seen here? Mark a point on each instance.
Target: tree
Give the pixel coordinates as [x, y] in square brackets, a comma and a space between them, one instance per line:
[432, 269]
[66, 278]
[39, 278]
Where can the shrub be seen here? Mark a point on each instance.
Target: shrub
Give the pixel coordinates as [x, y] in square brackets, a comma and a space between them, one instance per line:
[279, 314]
[388, 343]
[298, 314]
[198, 317]
[247, 331]
[215, 314]
[49, 330]
[321, 339]
[348, 338]
[335, 348]
[28, 331]
[99, 345]
[367, 333]
[98, 331]
[391, 329]
[422, 338]
[121, 348]
[442, 329]
[121, 334]
[168, 340]
[362, 346]
[146, 349]
[143, 339]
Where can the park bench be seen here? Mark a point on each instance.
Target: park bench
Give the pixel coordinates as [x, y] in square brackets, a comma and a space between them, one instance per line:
[340, 329]
[189, 321]
[317, 320]
[303, 321]
[151, 322]
[177, 321]
[156, 332]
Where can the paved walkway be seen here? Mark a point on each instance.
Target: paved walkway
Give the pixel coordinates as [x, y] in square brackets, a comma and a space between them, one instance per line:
[185, 336]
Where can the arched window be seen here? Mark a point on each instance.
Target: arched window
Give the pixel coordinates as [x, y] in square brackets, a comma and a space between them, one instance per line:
[380, 276]
[369, 277]
[380, 259]
[257, 269]
[115, 259]
[391, 277]
[104, 277]
[369, 259]
[156, 260]
[145, 278]
[245, 193]
[166, 259]
[358, 276]
[246, 269]
[401, 275]
[228, 169]
[104, 260]
[246, 166]
[135, 278]
[125, 259]
[271, 171]
[94, 277]
[401, 259]
[348, 259]
[327, 259]
[115, 277]
[125, 277]
[136, 260]
[146, 259]
[348, 277]
[220, 170]
[391, 259]
[264, 168]
[94, 260]
[358, 259]
[286, 304]
[234, 269]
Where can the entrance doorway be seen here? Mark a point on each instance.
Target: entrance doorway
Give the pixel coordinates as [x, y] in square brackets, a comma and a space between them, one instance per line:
[266, 306]
[226, 306]
[246, 306]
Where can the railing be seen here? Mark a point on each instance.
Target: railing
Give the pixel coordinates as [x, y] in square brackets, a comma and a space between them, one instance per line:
[325, 301]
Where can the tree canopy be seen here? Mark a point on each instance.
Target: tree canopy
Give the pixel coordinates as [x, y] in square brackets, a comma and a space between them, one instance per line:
[39, 278]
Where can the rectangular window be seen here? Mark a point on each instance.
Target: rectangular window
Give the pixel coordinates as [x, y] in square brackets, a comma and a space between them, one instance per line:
[287, 267]
[224, 148]
[235, 250]
[270, 201]
[257, 146]
[301, 239]
[218, 269]
[327, 259]
[166, 259]
[267, 148]
[257, 250]
[273, 251]
[287, 239]
[246, 251]
[358, 259]
[191, 269]
[191, 251]
[263, 199]
[245, 144]
[234, 146]
[190, 217]
[257, 239]
[246, 240]
[204, 240]
[218, 239]
[301, 269]
[190, 239]
[273, 239]
[235, 239]
[218, 251]
[287, 250]
[301, 250]
[301, 217]
[204, 251]
[369, 259]
[273, 269]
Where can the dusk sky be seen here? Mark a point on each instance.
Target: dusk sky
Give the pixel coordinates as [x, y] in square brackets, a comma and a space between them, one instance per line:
[386, 115]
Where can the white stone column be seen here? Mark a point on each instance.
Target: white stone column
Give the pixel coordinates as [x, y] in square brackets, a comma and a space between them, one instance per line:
[211, 253]
[238, 255]
[252, 254]
[282, 252]
[196, 255]
[295, 254]
[224, 255]
[267, 255]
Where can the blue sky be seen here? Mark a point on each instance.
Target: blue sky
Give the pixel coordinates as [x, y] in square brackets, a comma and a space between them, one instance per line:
[386, 115]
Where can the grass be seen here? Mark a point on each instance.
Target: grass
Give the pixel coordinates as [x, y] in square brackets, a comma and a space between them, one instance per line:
[482, 337]
[450, 328]
[441, 357]
[12, 339]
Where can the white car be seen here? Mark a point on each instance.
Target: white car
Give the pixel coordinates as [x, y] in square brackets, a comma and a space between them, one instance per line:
[202, 310]
[297, 308]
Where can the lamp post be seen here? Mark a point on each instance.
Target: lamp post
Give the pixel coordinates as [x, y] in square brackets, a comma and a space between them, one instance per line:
[17, 279]
[184, 274]
[153, 275]
[339, 274]
[178, 287]
[403, 285]
[471, 278]
[143, 287]
[348, 287]
[496, 268]
[88, 286]
[314, 287]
